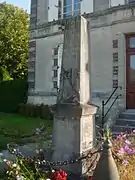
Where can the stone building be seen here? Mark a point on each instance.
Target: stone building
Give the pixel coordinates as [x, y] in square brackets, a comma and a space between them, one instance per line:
[112, 40]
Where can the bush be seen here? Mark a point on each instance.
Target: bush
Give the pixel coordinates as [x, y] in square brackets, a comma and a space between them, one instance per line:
[12, 93]
[42, 111]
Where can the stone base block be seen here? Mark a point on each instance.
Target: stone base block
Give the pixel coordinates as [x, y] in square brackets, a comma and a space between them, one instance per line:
[73, 133]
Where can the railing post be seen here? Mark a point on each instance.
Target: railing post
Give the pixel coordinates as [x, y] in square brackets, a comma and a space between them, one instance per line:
[103, 104]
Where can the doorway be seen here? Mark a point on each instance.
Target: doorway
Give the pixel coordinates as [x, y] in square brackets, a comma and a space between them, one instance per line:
[130, 71]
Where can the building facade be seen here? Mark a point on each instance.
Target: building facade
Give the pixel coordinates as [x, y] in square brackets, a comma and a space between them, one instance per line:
[112, 40]
[129, 1]
[101, 5]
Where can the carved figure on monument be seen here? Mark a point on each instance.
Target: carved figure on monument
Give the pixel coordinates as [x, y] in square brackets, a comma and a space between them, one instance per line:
[71, 77]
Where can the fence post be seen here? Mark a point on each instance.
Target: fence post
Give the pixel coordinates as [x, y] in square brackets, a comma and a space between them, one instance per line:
[103, 105]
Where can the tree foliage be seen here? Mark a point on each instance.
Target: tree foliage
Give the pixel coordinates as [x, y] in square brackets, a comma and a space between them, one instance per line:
[14, 40]
[4, 75]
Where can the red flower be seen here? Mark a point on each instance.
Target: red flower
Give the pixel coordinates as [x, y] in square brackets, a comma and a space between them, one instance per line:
[59, 175]
[90, 178]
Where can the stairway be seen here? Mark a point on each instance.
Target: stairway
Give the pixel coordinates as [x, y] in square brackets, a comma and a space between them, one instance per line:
[126, 121]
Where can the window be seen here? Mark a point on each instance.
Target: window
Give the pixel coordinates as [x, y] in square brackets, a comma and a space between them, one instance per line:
[34, 10]
[55, 62]
[33, 2]
[115, 70]
[115, 57]
[55, 85]
[31, 76]
[67, 8]
[59, 9]
[132, 68]
[33, 20]
[55, 51]
[71, 7]
[55, 73]
[115, 43]
[31, 64]
[32, 54]
[76, 7]
[32, 44]
[132, 42]
[31, 85]
[115, 83]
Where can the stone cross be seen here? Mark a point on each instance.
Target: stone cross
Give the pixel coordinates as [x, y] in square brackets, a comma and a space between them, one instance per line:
[74, 117]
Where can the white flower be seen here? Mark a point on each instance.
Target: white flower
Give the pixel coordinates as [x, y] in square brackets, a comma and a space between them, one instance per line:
[19, 177]
[14, 165]
[5, 160]
[38, 131]
[37, 151]
[48, 179]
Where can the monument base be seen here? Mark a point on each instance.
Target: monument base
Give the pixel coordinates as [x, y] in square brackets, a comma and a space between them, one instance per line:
[73, 133]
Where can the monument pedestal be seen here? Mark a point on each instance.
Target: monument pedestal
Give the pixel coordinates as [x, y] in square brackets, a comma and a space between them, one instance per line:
[73, 133]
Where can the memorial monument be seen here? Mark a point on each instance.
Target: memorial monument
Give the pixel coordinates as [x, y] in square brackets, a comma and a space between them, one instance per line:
[74, 116]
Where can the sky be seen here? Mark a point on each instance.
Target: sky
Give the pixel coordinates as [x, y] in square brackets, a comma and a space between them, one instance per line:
[25, 4]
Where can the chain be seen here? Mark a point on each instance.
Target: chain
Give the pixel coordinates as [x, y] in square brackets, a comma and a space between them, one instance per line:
[75, 159]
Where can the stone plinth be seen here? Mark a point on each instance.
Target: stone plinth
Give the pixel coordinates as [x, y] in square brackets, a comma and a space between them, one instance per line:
[73, 133]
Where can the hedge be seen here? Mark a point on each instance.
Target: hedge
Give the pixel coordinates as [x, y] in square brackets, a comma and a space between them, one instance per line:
[31, 110]
[12, 93]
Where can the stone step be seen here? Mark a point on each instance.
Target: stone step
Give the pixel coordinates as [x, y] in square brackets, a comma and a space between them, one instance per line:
[115, 134]
[125, 122]
[127, 115]
[130, 111]
[118, 128]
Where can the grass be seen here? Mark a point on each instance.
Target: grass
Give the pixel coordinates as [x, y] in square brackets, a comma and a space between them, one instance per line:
[14, 126]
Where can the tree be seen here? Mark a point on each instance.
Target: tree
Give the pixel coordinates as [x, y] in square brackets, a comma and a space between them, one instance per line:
[14, 40]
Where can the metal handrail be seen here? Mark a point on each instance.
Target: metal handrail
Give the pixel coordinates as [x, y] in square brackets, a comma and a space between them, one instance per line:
[105, 103]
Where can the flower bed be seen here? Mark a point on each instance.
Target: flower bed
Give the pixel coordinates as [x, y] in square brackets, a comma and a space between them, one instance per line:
[124, 148]
[39, 168]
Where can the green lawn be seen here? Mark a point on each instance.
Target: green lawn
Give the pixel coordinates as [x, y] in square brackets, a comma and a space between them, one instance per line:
[13, 127]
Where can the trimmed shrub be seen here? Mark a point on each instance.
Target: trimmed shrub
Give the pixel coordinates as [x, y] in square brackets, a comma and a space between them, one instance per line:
[42, 111]
[12, 93]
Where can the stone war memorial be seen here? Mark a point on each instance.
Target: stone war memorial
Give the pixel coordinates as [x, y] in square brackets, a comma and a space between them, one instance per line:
[74, 116]
[74, 126]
